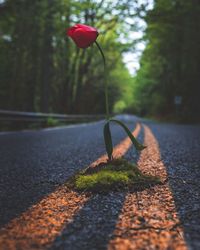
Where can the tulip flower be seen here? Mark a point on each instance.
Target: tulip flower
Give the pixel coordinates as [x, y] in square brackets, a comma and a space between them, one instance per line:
[84, 36]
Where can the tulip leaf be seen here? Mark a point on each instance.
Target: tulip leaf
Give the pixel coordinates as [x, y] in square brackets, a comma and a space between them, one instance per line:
[137, 145]
[108, 140]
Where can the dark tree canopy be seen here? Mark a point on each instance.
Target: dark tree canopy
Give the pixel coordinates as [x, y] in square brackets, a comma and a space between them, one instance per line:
[170, 62]
[42, 70]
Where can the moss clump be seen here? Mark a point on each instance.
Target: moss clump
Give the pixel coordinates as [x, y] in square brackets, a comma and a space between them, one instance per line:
[117, 174]
[104, 179]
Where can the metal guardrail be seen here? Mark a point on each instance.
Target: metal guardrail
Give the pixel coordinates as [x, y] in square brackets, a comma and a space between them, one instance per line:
[6, 115]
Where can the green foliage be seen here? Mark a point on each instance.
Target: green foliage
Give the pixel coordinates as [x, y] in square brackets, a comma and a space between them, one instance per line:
[108, 140]
[42, 70]
[119, 107]
[108, 137]
[117, 174]
[134, 141]
[122, 80]
[169, 65]
[52, 122]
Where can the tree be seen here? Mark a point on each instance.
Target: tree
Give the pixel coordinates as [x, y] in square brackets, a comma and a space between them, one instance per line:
[169, 64]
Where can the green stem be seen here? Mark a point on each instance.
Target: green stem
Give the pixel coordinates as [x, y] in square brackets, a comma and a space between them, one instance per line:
[106, 81]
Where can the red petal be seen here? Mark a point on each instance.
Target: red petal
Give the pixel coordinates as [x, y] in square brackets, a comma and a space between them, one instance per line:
[70, 31]
[83, 38]
[86, 27]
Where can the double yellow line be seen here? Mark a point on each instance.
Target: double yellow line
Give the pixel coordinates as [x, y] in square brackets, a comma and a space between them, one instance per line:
[38, 227]
[44, 221]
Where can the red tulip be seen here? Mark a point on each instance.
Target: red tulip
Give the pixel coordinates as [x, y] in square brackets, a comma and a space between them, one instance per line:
[83, 35]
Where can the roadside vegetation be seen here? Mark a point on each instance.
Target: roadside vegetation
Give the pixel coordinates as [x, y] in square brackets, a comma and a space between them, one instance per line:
[41, 70]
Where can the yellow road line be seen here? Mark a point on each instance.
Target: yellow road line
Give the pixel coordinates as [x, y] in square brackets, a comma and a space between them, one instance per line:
[43, 222]
[149, 219]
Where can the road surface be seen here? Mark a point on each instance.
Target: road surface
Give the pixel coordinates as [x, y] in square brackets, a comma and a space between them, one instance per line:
[34, 163]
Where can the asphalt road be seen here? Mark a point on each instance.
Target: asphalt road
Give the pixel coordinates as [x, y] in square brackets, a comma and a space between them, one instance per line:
[33, 163]
[180, 152]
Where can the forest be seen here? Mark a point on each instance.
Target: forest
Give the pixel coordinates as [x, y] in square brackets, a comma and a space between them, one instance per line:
[41, 69]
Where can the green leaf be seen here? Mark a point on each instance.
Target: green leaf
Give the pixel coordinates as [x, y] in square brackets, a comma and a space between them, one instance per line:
[137, 145]
[108, 140]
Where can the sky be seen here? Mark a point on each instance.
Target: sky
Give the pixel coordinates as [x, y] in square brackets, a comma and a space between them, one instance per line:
[131, 59]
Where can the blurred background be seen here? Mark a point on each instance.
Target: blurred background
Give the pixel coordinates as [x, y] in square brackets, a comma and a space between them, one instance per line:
[152, 50]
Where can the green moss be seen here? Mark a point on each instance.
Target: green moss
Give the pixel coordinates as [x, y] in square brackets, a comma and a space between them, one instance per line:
[117, 174]
[102, 178]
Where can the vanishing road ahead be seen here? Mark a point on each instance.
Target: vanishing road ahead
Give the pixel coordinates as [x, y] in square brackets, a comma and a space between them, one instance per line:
[38, 212]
